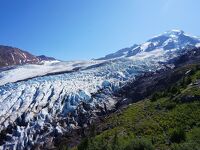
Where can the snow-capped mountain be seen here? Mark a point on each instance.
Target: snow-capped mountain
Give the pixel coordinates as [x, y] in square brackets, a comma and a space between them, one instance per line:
[10, 56]
[45, 104]
[170, 40]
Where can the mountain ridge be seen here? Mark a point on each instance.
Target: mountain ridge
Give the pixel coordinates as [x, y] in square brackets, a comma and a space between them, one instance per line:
[10, 56]
[169, 40]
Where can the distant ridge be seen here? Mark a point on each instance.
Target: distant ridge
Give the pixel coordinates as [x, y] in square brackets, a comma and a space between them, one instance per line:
[14, 56]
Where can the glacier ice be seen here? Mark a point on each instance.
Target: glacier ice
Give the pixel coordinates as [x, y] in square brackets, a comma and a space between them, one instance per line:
[41, 104]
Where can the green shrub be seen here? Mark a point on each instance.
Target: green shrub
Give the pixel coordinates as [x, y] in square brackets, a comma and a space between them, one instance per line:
[188, 80]
[175, 90]
[156, 96]
[63, 147]
[140, 144]
[177, 135]
[185, 146]
[170, 105]
[195, 135]
[84, 144]
[115, 142]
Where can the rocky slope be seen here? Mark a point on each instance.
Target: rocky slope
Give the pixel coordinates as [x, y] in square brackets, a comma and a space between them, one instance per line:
[36, 110]
[10, 56]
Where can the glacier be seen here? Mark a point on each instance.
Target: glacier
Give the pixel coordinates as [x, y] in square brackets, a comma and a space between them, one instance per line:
[40, 104]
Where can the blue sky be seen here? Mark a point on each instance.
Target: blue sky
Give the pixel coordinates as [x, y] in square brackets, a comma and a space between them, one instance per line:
[85, 29]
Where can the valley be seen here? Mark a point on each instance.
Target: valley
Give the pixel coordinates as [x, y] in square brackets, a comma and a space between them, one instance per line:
[42, 103]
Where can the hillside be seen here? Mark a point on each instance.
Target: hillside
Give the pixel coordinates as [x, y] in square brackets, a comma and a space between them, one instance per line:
[167, 117]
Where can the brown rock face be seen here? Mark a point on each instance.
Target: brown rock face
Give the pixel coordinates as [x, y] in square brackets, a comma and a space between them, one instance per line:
[13, 56]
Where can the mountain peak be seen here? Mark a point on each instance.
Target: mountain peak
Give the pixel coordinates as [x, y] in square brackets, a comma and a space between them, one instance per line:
[170, 33]
[168, 41]
[174, 33]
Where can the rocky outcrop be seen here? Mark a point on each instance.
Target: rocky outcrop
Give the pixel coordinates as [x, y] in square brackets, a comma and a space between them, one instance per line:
[10, 56]
[45, 58]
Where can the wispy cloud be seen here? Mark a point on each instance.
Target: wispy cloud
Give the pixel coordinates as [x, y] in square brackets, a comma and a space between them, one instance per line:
[166, 6]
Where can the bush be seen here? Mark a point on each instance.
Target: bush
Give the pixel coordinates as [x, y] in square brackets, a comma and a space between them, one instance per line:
[140, 144]
[188, 80]
[175, 89]
[155, 96]
[195, 134]
[170, 105]
[63, 147]
[185, 146]
[115, 142]
[177, 136]
[185, 81]
[84, 144]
